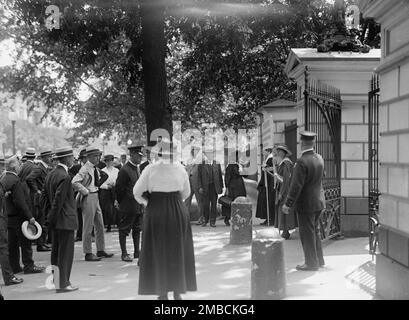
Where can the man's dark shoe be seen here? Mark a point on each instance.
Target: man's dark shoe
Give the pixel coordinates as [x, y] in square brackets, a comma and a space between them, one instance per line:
[13, 280]
[67, 289]
[126, 258]
[18, 271]
[43, 248]
[34, 269]
[204, 224]
[199, 222]
[91, 257]
[78, 239]
[306, 267]
[136, 255]
[263, 223]
[103, 254]
[213, 225]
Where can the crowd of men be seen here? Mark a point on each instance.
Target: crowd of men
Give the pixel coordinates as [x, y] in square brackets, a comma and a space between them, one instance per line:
[65, 195]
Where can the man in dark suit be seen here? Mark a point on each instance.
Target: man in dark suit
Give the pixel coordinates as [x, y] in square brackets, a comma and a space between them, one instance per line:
[35, 181]
[306, 195]
[17, 212]
[62, 218]
[27, 167]
[130, 211]
[8, 275]
[82, 158]
[210, 183]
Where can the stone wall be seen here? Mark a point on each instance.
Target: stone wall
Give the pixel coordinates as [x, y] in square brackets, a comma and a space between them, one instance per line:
[392, 264]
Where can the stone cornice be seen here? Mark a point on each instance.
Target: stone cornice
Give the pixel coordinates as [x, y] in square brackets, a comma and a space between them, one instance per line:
[377, 9]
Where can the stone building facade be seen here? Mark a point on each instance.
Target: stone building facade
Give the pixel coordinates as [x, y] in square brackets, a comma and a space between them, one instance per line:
[392, 264]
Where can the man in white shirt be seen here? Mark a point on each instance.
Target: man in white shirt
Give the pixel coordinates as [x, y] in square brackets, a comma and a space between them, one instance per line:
[87, 182]
[107, 192]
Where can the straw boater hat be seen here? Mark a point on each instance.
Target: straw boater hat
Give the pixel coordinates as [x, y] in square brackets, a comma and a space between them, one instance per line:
[31, 232]
[284, 148]
[63, 152]
[45, 153]
[30, 153]
[92, 151]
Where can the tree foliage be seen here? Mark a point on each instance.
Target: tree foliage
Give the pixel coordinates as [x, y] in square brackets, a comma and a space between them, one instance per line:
[224, 59]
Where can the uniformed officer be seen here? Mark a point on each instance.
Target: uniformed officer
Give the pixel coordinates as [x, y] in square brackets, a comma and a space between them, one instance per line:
[130, 211]
[306, 195]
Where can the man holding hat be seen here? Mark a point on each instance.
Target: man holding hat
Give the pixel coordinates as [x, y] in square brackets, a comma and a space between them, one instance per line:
[8, 275]
[17, 212]
[82, 157]
[87, 182]
[130, 211]
[62, 217]
[35, 181]
[305, 195]
[107, 191]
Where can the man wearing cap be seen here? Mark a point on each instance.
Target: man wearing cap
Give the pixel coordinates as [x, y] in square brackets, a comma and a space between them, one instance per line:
[17, 212]
[130, 211]
[35, 181]
[62, 218]
[87, 182]
[107, 191]
[305, 195]
[82, 157]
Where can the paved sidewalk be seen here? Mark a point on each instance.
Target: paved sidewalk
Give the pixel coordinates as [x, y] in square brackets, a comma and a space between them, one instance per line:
[223, 272]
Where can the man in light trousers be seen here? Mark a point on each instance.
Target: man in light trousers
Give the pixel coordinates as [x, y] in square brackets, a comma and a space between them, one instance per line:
[87, 182]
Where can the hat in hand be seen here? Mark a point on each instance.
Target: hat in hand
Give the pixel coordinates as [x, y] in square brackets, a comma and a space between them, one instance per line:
[31, 232]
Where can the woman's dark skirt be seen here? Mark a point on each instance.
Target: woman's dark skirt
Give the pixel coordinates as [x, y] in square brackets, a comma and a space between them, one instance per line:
[167, 261]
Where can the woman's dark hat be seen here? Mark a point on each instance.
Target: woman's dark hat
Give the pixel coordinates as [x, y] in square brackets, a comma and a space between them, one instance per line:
[63, 152]
[284, 148]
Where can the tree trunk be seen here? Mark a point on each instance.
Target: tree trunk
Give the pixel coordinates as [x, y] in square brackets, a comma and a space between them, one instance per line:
[157, 109]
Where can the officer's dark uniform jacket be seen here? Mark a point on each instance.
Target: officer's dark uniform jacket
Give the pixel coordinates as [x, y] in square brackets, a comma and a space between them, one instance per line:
[127, 177]
[306, 185]
[16, 205]
[60, 194]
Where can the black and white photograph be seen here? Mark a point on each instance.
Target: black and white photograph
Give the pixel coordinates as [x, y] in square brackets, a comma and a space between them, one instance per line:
[215, 152]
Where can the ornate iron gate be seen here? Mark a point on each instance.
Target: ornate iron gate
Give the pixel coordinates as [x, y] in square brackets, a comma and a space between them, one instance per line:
[323, 116]
[373, 162]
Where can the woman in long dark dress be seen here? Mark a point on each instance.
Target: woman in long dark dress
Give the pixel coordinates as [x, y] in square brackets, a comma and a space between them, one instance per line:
[167, 261]
[261, 211]
[284, 222]
[234, 187]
